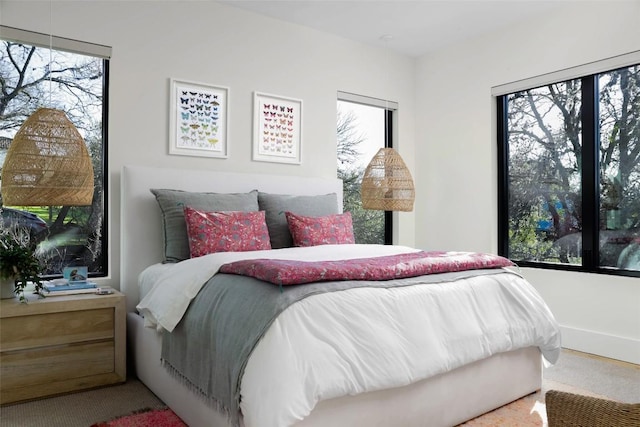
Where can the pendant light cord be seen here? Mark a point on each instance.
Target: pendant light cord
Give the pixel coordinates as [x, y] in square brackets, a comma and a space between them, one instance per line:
[50, 50]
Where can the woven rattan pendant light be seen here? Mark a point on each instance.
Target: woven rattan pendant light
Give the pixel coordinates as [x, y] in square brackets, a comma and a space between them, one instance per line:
[47, 163]
[387, 184]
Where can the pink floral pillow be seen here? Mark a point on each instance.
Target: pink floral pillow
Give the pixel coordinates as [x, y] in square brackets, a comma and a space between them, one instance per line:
[211, 232]
[323, 230]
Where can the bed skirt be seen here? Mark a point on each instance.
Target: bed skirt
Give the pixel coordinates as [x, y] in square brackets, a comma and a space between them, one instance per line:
[472, 390]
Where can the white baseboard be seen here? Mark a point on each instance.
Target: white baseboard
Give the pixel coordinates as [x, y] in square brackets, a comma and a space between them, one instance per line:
[611, 346]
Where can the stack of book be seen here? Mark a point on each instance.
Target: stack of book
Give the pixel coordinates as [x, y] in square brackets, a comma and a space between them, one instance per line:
[56, 288]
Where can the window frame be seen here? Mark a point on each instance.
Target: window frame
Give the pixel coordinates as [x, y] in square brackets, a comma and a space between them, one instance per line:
[389, 108]
[388, 143]
[590, 167]
[102, 52]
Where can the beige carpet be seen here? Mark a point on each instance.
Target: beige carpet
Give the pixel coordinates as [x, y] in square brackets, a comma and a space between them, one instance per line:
[575, 372]
[81, 409]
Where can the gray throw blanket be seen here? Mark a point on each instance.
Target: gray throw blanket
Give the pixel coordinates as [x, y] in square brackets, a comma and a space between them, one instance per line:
[210, 347]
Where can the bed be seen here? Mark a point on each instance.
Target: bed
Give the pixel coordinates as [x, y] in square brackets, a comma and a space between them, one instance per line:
[467, 382]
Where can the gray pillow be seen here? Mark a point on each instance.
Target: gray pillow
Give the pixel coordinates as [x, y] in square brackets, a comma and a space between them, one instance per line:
[276, 205]
[172, 203]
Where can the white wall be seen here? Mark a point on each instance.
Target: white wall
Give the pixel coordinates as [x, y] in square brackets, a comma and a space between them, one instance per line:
[457, 148]
[220, 45]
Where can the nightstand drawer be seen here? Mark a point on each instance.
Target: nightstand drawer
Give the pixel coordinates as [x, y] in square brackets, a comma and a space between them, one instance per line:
[31, 368]
[56, 328]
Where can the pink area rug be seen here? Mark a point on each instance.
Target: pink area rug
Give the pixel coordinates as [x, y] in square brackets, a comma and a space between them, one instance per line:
[146, 418]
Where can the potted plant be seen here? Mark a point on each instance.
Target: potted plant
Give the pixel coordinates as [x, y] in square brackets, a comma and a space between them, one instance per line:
[19, 262]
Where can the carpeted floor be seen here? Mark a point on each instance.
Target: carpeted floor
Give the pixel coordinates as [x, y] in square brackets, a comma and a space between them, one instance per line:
[575, 372]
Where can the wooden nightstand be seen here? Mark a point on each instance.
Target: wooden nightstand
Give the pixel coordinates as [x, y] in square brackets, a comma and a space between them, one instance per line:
[61, 344]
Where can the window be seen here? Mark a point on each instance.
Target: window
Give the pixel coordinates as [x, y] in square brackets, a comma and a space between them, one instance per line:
[569, 184]
[364, 126]
[38, 70]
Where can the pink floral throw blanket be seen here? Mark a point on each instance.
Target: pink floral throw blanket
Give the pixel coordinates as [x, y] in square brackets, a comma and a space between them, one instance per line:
[291, 272]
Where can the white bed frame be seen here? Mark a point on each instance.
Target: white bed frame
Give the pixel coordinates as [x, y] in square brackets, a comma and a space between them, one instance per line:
[444, 400]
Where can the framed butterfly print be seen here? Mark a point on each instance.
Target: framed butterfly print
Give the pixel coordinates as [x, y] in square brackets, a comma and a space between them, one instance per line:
[198, 119]
[277, 128]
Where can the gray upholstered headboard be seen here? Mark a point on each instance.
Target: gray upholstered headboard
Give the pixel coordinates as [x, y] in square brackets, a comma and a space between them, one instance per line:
[141, 222]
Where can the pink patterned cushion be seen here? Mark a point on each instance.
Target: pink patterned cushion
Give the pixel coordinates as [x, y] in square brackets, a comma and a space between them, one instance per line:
[211, 232]
[323, 230]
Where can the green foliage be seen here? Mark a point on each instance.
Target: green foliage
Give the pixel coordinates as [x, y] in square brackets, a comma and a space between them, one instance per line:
[526, 243]
[19, 259]
[368, 225]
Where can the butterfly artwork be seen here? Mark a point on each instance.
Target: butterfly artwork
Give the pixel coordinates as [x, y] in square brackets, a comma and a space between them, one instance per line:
[200, 119]
[277, 137]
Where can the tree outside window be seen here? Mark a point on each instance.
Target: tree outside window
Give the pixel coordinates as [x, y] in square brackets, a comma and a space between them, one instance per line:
[572, 153]
[32, 77]
[360, 133]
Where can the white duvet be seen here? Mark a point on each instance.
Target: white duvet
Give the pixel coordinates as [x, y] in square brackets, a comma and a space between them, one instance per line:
[364, 339]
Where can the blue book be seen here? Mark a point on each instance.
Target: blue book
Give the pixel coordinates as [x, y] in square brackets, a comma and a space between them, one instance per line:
[71, 286]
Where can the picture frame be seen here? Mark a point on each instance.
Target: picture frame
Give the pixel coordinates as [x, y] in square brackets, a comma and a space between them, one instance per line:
[277, 129]
[198, 119]
[75, 274]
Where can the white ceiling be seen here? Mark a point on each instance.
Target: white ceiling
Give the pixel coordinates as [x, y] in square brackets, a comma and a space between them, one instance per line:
[417, 27]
